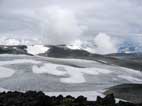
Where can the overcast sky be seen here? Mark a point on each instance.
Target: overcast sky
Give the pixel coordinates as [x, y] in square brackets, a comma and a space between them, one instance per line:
[62, 21]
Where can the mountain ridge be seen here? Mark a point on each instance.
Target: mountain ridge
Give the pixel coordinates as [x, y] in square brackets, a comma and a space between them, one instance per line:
[61, 51]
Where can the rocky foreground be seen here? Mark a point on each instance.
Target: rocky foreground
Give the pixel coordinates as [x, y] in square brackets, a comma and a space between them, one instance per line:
[33, 98]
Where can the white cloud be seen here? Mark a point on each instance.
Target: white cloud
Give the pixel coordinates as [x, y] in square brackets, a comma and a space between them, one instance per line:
[60, 25]
[104, 44]
[63, 21]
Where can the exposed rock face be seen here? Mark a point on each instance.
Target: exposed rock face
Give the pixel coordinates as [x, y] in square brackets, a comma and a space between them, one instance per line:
[64, 52]
[32, 98]
[20, 49]
[129, 92]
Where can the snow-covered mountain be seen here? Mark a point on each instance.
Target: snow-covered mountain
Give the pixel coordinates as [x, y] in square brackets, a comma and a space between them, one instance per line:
[62, 51]
[61, 69]
[16, 41]
[88, 45]
[97, 46]
[101, 44]
[79, 49]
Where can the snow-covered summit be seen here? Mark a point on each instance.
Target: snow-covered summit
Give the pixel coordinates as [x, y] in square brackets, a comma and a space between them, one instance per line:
[37, 49]
[83, 45]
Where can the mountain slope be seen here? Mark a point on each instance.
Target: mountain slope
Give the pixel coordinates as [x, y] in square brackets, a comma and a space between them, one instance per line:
[61, 51]
[129, 92]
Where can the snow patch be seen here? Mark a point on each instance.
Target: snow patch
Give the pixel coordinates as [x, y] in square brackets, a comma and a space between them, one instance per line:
[6, 72]
[48, 68]
[37, 49]
[76, 45]
[75, 76]
[68, 74]
[82, 45]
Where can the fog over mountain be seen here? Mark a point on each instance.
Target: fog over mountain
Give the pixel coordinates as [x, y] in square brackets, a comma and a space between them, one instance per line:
[65, 21]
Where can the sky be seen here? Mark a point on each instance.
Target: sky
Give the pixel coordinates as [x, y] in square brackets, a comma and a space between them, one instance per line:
[63, 21]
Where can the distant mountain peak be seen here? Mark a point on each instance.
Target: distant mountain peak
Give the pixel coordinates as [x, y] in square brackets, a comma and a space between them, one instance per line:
[14, 41]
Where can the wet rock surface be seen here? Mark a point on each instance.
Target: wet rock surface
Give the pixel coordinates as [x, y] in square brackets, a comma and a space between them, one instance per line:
[33, 98]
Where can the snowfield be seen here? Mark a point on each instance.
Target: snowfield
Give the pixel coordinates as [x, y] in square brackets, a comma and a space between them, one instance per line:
[6, 72]
[36, 49]
[75, 75]
[62, 76]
